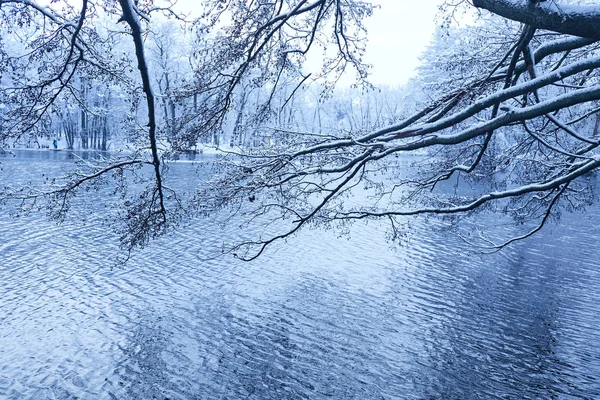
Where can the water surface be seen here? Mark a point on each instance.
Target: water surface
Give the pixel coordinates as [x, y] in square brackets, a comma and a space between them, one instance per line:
[318, 317]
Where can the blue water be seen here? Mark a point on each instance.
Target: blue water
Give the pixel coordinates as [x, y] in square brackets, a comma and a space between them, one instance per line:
[317, 317]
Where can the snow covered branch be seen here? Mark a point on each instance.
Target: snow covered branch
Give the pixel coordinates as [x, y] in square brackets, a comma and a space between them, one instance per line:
[556, 16]
[130, 17]
[516, 133]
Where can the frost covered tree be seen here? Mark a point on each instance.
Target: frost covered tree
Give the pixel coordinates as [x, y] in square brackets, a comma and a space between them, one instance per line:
[510, 103]
[512, 106]
[53, 47]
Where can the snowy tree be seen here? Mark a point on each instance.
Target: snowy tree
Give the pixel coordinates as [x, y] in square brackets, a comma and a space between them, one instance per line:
[511, 103]
[255, 43]
[513, 107]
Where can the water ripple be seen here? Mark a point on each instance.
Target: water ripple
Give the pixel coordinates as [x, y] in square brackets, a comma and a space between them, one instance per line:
[319, 317]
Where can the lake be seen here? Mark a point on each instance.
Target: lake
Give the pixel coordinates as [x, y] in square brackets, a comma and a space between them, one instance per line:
[317, 317]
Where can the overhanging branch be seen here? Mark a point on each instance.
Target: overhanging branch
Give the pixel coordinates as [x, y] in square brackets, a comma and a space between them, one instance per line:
[583, 21]
[130, 17]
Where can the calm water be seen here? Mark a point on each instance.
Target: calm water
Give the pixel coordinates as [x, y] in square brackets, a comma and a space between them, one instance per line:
[319, 317]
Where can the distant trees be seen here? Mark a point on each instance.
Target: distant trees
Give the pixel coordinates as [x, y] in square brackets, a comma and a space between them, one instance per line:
[510, 103]
[60, 69]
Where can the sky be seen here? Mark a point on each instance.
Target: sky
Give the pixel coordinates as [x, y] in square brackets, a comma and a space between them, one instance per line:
[398, 33]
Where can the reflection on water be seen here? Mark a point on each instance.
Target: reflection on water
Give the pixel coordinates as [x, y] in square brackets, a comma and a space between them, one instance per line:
[52, 154]
[318, 317]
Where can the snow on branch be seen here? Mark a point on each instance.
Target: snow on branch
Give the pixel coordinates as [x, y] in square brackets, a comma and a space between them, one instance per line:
[556, 16]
